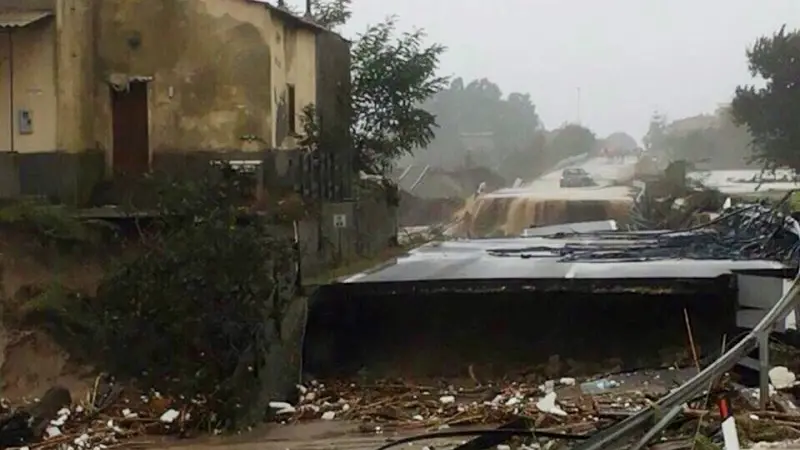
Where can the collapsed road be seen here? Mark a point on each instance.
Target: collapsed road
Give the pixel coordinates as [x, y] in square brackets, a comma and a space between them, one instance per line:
[488, 308]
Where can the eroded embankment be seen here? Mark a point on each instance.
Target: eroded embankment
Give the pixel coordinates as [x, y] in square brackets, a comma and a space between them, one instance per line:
[509, 216]
[31, 361]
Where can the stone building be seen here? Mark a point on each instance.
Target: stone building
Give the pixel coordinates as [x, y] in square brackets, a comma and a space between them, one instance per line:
[95, 90]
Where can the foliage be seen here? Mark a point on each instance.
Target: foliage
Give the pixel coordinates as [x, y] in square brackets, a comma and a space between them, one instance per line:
[204, 300]
[391, 78]
[572, 140]
[479, 108]
[53, 227]
[331, 14]
[770, 112]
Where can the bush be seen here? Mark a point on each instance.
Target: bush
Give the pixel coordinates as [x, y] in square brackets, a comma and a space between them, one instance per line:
[199, 312]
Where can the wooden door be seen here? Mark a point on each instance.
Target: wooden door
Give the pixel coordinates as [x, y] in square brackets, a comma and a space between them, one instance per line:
[131, 154]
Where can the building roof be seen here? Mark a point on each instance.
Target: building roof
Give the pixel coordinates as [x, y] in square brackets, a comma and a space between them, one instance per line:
[290, 17]
[20, 19]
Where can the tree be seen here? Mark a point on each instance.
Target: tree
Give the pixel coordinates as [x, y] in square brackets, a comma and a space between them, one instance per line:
[572, 140]
[391, 79]
[332, 13]
[770, 112]
[479, 107]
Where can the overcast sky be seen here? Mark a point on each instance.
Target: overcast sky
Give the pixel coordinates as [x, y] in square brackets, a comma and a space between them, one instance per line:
[627, 57]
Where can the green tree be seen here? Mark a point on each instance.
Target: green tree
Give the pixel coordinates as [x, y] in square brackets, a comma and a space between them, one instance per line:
[572, 140]
[391, 79]
[392, 76]
[770, 112]
[332, 13]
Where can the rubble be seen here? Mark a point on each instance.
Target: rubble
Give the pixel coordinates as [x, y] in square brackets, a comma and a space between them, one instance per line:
[108, 417]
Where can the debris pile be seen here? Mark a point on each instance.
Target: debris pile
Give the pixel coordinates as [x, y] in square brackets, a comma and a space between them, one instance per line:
[397, 405]
[108, 417]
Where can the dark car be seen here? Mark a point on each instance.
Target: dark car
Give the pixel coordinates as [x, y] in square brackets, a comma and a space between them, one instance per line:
[576, 177]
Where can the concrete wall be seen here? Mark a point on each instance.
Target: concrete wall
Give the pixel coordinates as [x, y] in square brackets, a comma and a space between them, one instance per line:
[27, 64]
[219, 77]
[28, 5]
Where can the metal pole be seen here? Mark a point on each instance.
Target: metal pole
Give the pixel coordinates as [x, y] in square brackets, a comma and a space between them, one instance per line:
[763, 370]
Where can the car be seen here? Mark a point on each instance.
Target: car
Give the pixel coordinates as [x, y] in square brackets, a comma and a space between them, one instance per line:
[576, 177]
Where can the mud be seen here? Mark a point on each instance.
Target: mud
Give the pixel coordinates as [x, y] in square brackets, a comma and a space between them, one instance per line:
[31, 361]
[509, 216]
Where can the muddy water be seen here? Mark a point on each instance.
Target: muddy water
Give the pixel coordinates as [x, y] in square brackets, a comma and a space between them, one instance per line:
[509, 216]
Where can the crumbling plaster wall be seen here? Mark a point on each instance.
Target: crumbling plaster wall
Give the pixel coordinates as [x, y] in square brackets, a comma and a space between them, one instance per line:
[211, 63]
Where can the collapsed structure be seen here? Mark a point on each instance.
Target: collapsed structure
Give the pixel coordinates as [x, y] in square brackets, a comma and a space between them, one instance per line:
[537, 304]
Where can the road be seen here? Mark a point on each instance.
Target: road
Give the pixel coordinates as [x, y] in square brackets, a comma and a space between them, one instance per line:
[546, 187]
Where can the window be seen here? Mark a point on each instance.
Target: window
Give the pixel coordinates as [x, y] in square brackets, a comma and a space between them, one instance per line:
[292, 112]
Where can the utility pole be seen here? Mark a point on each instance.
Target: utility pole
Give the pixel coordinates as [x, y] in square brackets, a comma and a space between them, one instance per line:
[578, 105]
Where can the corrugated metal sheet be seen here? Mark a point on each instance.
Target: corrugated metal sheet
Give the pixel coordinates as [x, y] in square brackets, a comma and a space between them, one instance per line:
[19, 19]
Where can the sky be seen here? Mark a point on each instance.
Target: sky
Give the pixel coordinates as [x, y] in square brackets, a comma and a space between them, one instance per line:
[607, 64]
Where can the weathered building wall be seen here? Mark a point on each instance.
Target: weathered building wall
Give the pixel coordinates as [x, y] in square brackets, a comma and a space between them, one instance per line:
[28, 5]
[27, 57]
[51, 82]
[211, 71]
[333, 109]
[294, 65]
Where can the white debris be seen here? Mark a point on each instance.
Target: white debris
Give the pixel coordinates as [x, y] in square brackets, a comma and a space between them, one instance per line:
[53, 432]
[418, 418]
[64, 412]
[328, 415]
[781, 377]
[754, 417]
[310, 397]
[169, 416]
[285, 411]
[567, 381]
[346, 407]
[513, 401]
[128, 414]
[280, 405]
[59, 422]
[547, 404]
[302, 389]
[503, 447]
[81, 440]
[447, 399]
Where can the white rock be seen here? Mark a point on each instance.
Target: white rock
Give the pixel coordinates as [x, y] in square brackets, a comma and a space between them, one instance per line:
[781, 377]
[328, 415]
[81, 440]
[503, 447]
[447, 399]
[59, 422]
[53, 432]
[346, 407]
[64, 412]
[169, 416]
[418, 418]
[547, 404]
[310, 397]
[567, 381]
[280, 405]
